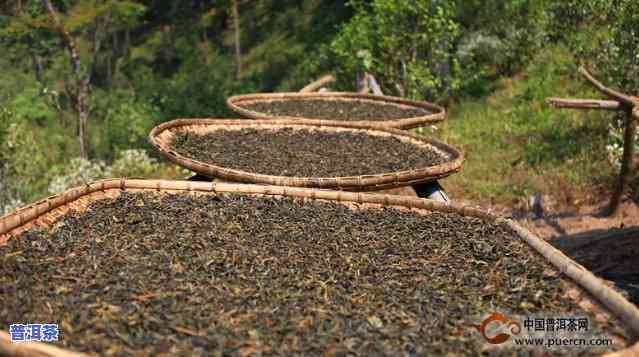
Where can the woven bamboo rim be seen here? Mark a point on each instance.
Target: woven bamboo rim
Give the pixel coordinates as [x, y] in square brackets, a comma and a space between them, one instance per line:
[160, 138]
[438, 113]
[45, 212]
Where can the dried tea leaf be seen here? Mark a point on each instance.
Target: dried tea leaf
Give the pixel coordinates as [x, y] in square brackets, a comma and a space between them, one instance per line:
[348, 110]
[178, 274]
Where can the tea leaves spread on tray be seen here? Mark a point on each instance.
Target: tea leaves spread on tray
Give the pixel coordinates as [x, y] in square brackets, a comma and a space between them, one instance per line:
[152, 273]
[347, 110]
[304, 153]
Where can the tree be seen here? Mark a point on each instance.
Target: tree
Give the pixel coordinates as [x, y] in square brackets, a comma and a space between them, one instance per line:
[82, 80]
[26, 36]
[407, 45]
[237, 33]
[505, 42]
[617, 59]
[96, 18]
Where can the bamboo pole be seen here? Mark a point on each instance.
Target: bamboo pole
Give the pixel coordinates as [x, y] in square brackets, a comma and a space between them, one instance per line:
[315, 85]
[584, 103]
[623, 98]
[610, 298]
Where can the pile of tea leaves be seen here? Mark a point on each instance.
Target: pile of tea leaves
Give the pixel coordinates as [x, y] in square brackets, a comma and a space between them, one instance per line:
[151, 273]
[347, 110]
[304, 152]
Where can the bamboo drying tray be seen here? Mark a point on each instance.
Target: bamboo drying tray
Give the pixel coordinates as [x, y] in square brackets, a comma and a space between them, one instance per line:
[437, 113]
[46, 212]
[161, 136]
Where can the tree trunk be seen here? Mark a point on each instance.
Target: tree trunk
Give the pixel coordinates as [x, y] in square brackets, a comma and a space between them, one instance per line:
[127, 40]
[112, 59]
[81, 80]
[627, 164]
[238, 48]
[38, 71]
[83, 116]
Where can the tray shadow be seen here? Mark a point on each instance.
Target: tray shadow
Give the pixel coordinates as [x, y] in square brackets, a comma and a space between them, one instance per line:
[611, 254]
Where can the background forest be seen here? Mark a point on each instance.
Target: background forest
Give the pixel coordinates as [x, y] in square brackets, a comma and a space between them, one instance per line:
[84, 81]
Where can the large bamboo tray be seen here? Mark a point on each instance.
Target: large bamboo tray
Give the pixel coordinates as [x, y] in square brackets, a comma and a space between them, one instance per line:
[160, 137]
[601, 298]
[437, 113]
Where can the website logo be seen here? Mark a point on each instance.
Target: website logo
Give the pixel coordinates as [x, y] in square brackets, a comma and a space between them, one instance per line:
[500, 320]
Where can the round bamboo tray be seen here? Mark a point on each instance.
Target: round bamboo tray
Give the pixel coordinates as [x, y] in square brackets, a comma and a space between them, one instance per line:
[161, 136]
[596, 297]
[436, 113]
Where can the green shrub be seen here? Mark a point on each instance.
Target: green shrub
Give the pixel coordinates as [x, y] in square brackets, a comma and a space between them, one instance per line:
[503, 35]
[569, 18]
[78, 172]
[126, 123]
[408, 46]
[22, 163]
[30, 104]
[617, 57]
[134, 163]
[198, 88]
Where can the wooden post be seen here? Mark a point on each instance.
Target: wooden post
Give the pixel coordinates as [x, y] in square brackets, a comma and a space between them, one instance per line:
[368, 83]
[627, 164]
[82, 82]
[372, 84]
[630, 106]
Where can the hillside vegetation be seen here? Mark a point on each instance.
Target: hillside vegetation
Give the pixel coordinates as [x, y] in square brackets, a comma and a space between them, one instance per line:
[68, 119]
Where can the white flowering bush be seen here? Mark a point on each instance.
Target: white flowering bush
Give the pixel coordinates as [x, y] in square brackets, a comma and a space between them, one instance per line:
[134, 163]
[479, 45]
[129, 163]
[11, 205]
[21, 162]
[8, 201]
[79, 171]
